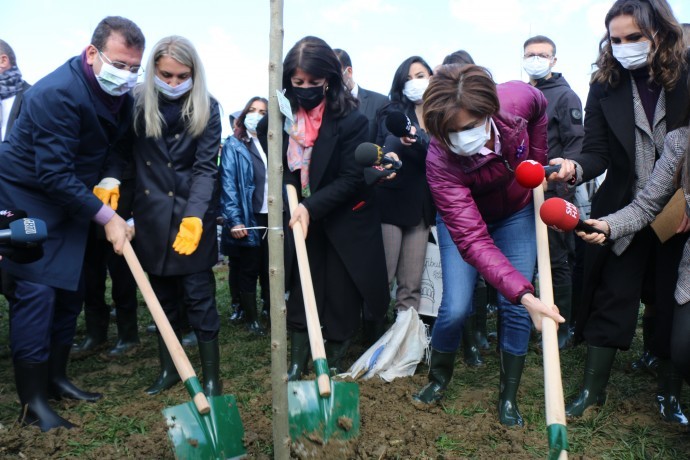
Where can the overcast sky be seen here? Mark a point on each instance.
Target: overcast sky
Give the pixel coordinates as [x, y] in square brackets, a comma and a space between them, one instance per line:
[232, 36]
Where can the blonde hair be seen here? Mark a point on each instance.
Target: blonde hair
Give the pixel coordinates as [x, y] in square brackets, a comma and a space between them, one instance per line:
[196, 109]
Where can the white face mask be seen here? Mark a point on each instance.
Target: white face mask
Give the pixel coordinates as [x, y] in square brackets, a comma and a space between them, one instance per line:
[414, 89]
[631, 55]
[536, 67]
[469, 142]
[251, 120]
[115, 82]
[173, 92]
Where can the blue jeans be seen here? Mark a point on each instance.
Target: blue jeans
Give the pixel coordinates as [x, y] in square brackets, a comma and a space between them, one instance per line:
[516, 238]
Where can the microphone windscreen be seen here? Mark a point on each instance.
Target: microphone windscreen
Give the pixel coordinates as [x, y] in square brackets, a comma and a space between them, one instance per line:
[559, 214]
[398, 124]
[529, 174]
[368, 154]
[7, 216]
[28, 232]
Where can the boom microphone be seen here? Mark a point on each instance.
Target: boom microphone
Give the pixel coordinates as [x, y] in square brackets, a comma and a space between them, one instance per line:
[399, 125]
[531, 174]
[563, 216]
[368, 154]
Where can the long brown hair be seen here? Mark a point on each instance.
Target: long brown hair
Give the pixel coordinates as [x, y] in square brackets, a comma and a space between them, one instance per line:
[655, 19]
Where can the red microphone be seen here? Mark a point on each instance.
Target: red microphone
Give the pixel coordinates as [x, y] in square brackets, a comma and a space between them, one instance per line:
[563, 216]
[531, 174]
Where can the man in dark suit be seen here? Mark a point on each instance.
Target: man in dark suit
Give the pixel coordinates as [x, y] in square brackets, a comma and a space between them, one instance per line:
[370, 102]
[51, 164]
[12, 88]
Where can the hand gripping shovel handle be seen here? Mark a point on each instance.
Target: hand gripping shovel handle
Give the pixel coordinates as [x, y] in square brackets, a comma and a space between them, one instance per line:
[553, 386]
[184, 367]
[313, 325]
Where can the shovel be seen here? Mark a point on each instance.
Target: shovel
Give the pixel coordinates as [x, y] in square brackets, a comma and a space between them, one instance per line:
[322, 409]
[207, 428]
[553, 387]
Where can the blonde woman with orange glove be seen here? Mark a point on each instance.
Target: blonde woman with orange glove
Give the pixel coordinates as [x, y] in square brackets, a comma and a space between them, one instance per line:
[174, 143]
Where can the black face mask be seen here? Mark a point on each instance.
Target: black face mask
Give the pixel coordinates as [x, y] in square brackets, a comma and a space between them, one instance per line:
[308, 98]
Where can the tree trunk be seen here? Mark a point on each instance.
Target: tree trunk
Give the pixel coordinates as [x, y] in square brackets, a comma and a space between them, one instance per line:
[281, 436]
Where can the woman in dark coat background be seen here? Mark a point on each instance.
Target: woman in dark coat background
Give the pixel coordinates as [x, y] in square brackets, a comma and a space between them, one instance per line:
[337, 209]
[175, 143]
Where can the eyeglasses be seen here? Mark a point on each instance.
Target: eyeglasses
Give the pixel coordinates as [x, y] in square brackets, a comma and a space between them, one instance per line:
[541, 55]
[121, 65]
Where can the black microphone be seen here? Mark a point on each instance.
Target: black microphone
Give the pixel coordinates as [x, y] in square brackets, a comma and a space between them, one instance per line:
[24, 233]
[399, 125]
[368, 154]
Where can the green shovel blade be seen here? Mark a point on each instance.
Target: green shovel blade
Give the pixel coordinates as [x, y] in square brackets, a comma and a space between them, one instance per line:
[216, 435]
[320, 419]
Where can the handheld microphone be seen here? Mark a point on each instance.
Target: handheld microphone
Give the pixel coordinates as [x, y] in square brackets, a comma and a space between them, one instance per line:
[531, 174]
[399, 125]
[24, 233]
[368, 154]
[563, 216]
[20, 255]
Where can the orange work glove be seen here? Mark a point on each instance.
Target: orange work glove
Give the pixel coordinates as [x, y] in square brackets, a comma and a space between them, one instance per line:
[108, 191]
[187, 239]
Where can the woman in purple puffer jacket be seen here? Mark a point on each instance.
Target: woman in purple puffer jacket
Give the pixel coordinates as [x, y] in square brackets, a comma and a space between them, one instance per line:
[480, 133]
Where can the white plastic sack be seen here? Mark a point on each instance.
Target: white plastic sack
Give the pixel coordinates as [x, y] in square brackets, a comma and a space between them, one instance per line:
[397, 352]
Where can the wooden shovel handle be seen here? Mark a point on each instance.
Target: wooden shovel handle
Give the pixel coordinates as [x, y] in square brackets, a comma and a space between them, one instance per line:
[553, 386]
[313, 325]
[182, 364]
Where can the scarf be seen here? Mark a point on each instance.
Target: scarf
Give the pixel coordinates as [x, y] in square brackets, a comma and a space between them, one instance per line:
[10, 82]
[303, 134]
[112, 103]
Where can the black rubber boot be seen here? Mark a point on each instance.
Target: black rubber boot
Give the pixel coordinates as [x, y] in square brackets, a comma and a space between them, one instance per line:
[210, 365]
[511, 372]
[248, 302]
[96, 321]
[648, 361]
[59, 386]
[670, 384]
[373, 330]
[189, 339]
[299, 354]
[168, 376]
[441, 367]
[470, 349]
[563, 298]
[236, 314]
[480, 302]
[31, 380]
[597, 371]
[335, 353]
[127, 332]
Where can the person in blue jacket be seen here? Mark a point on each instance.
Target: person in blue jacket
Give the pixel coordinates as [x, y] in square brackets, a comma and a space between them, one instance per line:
[51, 162]
[244, 204]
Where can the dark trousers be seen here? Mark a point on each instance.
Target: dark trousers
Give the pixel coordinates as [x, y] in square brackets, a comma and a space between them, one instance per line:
[197, 291]
[252, 263]
[98, 261]
[337, 299]
[647, 271]
[680, 340]
[40, 317]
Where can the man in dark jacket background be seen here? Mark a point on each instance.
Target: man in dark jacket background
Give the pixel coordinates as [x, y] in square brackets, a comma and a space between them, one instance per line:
[51, 161]
[565, 133]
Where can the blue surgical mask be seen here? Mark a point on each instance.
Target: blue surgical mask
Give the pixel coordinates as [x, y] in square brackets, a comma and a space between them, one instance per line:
[469, 142]
[251, 120]
[173, 92]
[536, 67]
[631, 55]
[115, 82]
